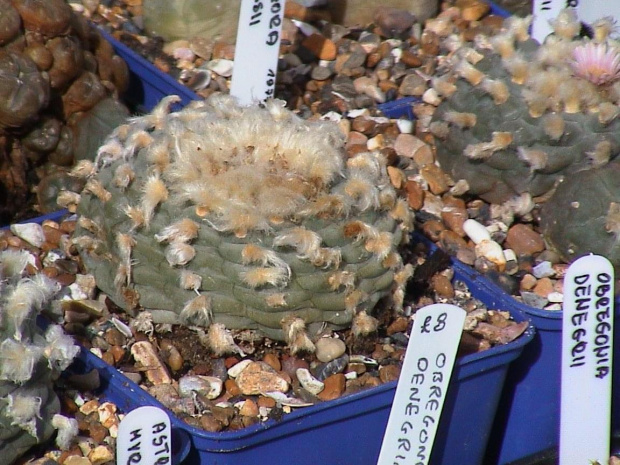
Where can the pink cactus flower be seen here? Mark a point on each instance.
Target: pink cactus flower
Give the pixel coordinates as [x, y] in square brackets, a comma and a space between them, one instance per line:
[597, 63]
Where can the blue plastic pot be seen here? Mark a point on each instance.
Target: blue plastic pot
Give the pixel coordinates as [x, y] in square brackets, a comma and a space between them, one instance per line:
[350, 430]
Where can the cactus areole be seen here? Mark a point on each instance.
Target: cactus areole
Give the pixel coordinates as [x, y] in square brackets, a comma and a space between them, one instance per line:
[240, 216]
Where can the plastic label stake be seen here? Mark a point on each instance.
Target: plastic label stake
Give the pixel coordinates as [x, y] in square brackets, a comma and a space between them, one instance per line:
[144, 437]
[545, 11]
[588, 11]
[591, 10]
[257, 50]
[422, 385]
[587, 349]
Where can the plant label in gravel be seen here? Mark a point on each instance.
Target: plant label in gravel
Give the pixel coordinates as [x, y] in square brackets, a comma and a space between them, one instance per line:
[144, 437]
[256, 51]
[591, 10]
[422, 385]
[587, 349]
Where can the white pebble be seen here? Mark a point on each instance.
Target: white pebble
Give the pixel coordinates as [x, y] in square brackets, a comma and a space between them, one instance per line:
[350, 375]
[476, 231]
[543, 270]
[331, 116]
[405, 126]
[309, 382]
[221, 66]
[237, 368]
[208, 386]
[358, 112]
[510, 255]
[555, 297]
[29, 232]
[431, 97]
[492, 251]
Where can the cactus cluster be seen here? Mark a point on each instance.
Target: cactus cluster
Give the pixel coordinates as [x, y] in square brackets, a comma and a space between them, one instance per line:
[526, 119]
[250, 218]
[55, 71]
[30, 361]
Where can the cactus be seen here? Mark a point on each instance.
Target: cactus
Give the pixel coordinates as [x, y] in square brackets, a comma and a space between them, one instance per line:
[583, 216]
[30, 359]
[518, 117]
[55, 69]
[250, 218]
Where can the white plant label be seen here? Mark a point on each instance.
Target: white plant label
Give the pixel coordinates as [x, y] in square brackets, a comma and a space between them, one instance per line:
[144, 438]
[422, 385]
[257, 50]
[588, 11]
[587, 349]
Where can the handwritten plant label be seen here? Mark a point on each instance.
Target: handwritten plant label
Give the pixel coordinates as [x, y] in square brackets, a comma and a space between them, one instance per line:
[144, 437]
[588, 11]
[587, 349]
[257, 50]
[422, 385]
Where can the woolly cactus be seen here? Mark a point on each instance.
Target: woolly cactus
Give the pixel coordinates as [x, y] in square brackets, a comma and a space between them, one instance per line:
[30, 359]
[518, 116]
[54, 70]
[244, 217]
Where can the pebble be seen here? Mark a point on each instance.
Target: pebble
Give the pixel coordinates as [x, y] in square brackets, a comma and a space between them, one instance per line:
[523, 240]
[221, 67]
[406, 145]
[309, 382]
[492, 251]
[207, 386]
[259, 377]
[334, 387]
[144, 353]
[32, 233]
[413, 85]
[321, 47]
[543, 270]
[329, 348]
[393, 22]
[325, 370]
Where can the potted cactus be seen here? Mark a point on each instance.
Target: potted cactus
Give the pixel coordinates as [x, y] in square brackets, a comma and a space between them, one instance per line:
[60, 84]
[524, 124]
[31, 360]
[225, 217]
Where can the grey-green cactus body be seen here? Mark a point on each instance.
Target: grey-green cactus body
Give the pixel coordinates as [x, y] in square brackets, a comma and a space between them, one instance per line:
[281, 223]
[509, 172]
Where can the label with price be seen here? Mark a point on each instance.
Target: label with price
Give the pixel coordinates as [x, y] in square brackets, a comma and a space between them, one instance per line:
[144, 438]
[587, 352]
[257, 49]
[422, 385]
[588, 11]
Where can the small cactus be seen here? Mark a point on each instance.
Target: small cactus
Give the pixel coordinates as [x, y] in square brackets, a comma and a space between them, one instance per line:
[246, 217]
[518, 117]
[55, 71]
[30, 360]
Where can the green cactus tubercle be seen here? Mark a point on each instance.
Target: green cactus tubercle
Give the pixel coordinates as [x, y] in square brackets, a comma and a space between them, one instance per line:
[240, 216]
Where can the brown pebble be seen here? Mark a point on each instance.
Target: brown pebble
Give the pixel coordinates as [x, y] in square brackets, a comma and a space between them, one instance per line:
[543, 287]
[524, 240]
[334, 387]
[473, 10]
[267, 402]
[527, 282]
[451, 242]
[65, 279]
[436, 178]
[118, 353]
[249, 408]
[364, 125]
[223, 50]
[210, 423]
[114, 337]
[442, 286]
[321, 47]
[230, 386]
[389, 373]
[399, 325]
[433, 229]
[415, 194]
[108, 357]
[223, 414]
[273, 361]
[454, 217]
[291, 364]
[411, 59]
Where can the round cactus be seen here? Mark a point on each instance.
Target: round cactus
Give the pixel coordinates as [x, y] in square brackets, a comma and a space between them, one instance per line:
[30, 359]
[518, 117]
[55, 69]
[583, 215]
[240, 216]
